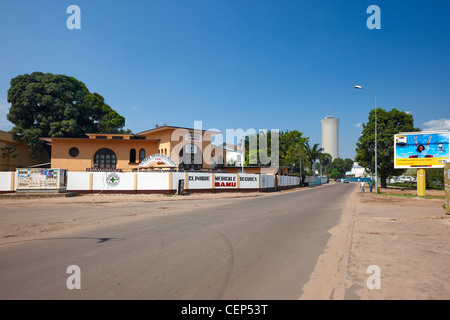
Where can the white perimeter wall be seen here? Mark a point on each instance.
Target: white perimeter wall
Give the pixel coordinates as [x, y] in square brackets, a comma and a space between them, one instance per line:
[78, 181]
[249, 181]
[225, 181]
[287, 181]
[131, 181]
[199, 181]
[152, 181]
[5, 181]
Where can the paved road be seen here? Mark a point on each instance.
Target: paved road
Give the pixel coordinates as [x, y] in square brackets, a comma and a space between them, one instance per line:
[248, 248]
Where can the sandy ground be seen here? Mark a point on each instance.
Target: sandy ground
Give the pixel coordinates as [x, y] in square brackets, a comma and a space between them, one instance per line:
[38, 217]
[406, 238]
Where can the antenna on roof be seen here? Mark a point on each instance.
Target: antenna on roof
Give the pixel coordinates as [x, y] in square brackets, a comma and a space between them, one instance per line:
[329, 115]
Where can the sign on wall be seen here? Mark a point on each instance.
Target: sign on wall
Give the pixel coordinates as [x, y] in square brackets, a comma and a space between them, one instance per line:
[40, 178]
[225, 181]
[193, 137]
[158, 158]
[421, 150]
[113, 179]
[199, 180]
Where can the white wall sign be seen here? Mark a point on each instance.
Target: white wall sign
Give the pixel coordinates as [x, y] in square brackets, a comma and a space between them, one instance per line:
[195, 137]
[249, 181]
[113, 179]
[199, 180]
[222, 180]
[157, 158]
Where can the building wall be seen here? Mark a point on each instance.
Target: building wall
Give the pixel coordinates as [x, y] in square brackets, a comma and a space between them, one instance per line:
[23, 152]
[234, 158]
[258, 170]
[173, 147]
[88, 147]
[156, 142]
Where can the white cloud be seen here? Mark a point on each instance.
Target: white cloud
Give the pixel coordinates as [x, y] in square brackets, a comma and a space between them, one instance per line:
[440, 124]
[358, 125]
[408, 112]
[5, 125]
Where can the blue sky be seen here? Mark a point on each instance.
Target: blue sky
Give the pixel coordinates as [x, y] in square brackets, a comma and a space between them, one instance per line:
[262, 64]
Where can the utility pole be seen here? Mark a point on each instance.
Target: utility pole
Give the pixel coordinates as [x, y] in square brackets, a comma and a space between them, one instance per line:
[301, 178]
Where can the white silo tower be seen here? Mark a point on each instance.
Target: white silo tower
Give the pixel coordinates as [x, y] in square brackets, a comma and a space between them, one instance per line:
[330, 136]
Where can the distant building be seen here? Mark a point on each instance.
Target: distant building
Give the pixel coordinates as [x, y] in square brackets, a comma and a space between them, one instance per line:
[357, 171]
[233, 154]
[20, 155]
[330, 136]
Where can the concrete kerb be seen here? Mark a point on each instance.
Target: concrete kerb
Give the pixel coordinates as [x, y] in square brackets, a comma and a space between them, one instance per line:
[36, 195]
[155, 197]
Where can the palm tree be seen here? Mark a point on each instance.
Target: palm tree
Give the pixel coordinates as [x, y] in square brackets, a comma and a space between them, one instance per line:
[313, 153]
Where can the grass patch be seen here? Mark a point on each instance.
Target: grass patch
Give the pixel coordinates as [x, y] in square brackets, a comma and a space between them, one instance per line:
[409, 195]
[413, 185]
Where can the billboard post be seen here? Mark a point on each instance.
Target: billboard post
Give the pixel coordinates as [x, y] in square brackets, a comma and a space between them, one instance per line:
[447, 187]
[421, 182]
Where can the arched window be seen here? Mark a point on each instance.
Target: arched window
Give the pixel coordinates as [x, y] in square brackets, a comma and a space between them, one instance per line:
[105, 158]
[132, 155]
[141, 155]
[165, 151]
[191, 157]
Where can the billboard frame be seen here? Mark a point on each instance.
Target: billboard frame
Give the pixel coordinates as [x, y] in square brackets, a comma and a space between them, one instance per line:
[425, 161]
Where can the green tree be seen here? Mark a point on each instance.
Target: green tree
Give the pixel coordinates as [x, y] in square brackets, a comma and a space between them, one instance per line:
[348, 164]
[8, 153]
[341, 166]
[262, 152]
[326, 159]
[389, 123]
[336, 174]
[292, 147]
[312, 153]
[51, 105]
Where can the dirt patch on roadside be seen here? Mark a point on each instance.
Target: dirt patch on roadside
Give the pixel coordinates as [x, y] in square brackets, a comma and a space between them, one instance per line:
[405, 237]
[411, 191]
[23, 219]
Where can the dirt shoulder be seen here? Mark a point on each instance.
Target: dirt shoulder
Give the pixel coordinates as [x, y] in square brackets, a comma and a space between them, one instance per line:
[39, 217]
[406, 238]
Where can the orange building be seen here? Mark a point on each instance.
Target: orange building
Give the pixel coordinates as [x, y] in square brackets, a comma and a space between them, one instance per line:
[15, 154]
[188, 148]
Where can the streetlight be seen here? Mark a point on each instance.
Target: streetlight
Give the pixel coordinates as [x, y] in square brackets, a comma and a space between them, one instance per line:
[376, 164]
[301, 178]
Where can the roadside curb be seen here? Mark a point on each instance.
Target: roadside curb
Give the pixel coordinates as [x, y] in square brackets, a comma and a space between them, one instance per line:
[36, 195]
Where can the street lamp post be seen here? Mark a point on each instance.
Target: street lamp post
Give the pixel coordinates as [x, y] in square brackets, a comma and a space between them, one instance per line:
[301, 178]
[376, 163]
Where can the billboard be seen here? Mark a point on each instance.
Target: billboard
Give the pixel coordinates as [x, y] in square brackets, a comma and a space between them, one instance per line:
[421, 150]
